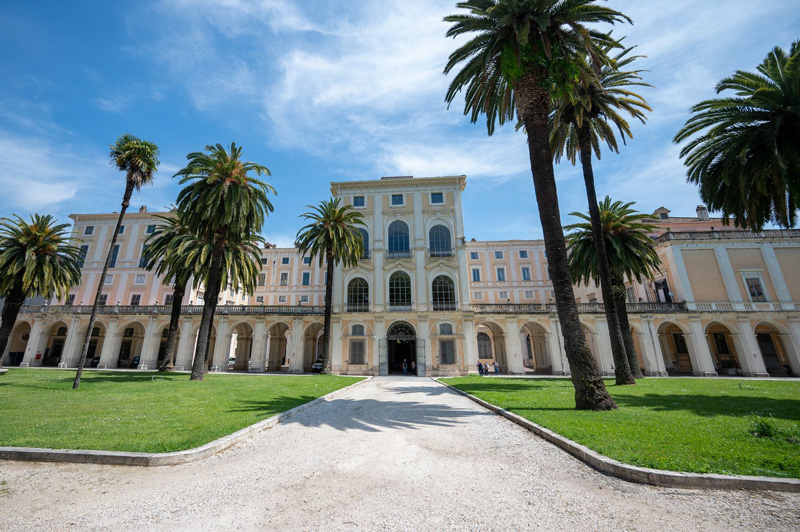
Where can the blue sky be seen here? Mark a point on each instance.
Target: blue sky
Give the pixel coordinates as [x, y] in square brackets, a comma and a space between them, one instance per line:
[326, 90]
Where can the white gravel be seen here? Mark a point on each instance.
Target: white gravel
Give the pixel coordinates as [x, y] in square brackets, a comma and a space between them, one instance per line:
[391, 454]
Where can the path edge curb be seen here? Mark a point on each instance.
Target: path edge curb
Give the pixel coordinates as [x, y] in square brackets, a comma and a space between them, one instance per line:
[640, 475]
[35, 454]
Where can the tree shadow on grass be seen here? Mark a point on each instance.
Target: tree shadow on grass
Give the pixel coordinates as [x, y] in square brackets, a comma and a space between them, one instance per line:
[715, 405]
[367, 415]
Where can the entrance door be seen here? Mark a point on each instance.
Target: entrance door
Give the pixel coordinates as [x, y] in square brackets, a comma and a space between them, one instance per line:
[769, 353]
[401, 339]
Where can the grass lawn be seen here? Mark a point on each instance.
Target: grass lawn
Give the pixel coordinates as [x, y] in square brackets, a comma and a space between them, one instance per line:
[143, 411]
[694, 425]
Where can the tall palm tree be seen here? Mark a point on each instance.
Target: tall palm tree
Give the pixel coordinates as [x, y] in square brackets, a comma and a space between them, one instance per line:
[227, 205]
[743, 151]
[173, 251]
[35, 258]
[139, 160]
[578, 127]
[631, 254]
[519, 54]
[332, 235]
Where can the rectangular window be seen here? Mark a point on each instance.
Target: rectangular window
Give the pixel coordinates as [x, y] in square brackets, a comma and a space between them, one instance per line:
[630, 294]
[89, 230]
[501, 274]
[284, 260]
[284, 279]
[498, 254]
[526, 273]
[528, 294]
[437, 198]
[139, 279]
[264, 262]
[473, 255]
[259, 299]
[447, 352]
[121, 230]
[262, 279]
[523, 254]
[150, 229]
[478, 295]
[169, 299]
[502, 295]
[142, 258]
[306, 278]
[306, 260]
[109, 279]
[357, 355]
[755, 289]
[114, 254]
[82, 256]
[358, 201]
[476, 275]
[281, 299]
[70, 300]
[136, 299]
[303, 299]
[397, 199]
[103, 299]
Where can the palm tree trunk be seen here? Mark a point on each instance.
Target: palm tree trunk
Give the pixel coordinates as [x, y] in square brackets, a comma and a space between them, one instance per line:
[169, 352]
[14, 301]
[622, 370]
[326, 334]
[209, 308]
[126, 199]
[618, 287]
[533, 106]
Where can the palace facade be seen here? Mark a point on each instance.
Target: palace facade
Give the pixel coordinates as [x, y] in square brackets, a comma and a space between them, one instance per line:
[726, 301]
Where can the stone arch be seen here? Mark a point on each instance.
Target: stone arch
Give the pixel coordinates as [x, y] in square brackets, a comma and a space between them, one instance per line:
[638, 345]
[722, 344]
[241, 346]
[212, 342]
[131, 341]
[55, 344]
[96, 342]
[676, 348]
[17, 344]
[536, 347]
[278, 342]
[312, 345]
[776, 348]
[490, 335]
[162, 343]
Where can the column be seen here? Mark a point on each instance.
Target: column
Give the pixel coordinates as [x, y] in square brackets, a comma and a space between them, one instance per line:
[148, 359]
[791, 344]
[605, 358]
[186, 343]
[699, 353]
[748, 352]
[257, 351]
[336, 355]
[558, 357]
[222, 346]
[425, 354]
[470, 346]
[72, 346]
[652, 348]
[728, 276]
[267, 353]
[380, 362]
[684, 289]
[513, 348]
[35, 341]
[294, 350]
[109, 345]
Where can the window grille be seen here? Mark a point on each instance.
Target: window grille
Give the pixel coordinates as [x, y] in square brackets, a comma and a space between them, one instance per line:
[447, 352]
[357, 352]
[484, 346]
[400, 290]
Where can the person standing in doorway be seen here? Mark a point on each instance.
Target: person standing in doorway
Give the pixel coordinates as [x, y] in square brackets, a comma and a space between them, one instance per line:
[413, 368]
[405, 367]
[496, 368]
[486, 368]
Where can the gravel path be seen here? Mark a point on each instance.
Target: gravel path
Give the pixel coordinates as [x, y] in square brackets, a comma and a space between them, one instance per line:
[391, 454]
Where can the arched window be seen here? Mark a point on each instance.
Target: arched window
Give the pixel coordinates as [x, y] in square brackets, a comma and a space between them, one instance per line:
[365, 240]
[357, 330]
[400, 290]
[446, 329]
[398, 239]
[444, 293]
[358, 295]
[439, 238]
[484, 346]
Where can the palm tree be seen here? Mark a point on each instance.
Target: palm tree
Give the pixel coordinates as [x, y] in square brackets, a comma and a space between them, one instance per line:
[35, 258]
[139, 160]
[743, 151]
[228, 206]
[520, 53]
[332, 235]
[631, 255]
[578, 126]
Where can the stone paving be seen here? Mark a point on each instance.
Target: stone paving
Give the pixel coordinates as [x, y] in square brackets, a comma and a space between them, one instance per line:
[391, 454]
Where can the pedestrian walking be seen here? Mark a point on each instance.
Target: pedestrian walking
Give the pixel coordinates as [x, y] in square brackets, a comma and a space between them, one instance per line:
[486, 369]
[496, 368]
[413, 368]
[405, 367]
[480, 369]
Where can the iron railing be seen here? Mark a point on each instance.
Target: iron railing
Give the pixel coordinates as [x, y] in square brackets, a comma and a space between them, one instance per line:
[583, 308]
[720, 235]
[188, 310]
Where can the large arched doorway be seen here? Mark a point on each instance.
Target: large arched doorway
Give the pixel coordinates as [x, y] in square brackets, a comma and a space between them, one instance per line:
[130, 346]
[95, 344]
[723, 351]
[278, 341]
[54, 348]
[312, 346]
[536, 355]
[402, 346]
[17, 343]
[773, 350]
[491, 340]
[241, 347]
[674, 349]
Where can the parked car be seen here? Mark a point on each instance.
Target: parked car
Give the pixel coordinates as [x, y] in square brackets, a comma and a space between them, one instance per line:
[316, 367]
